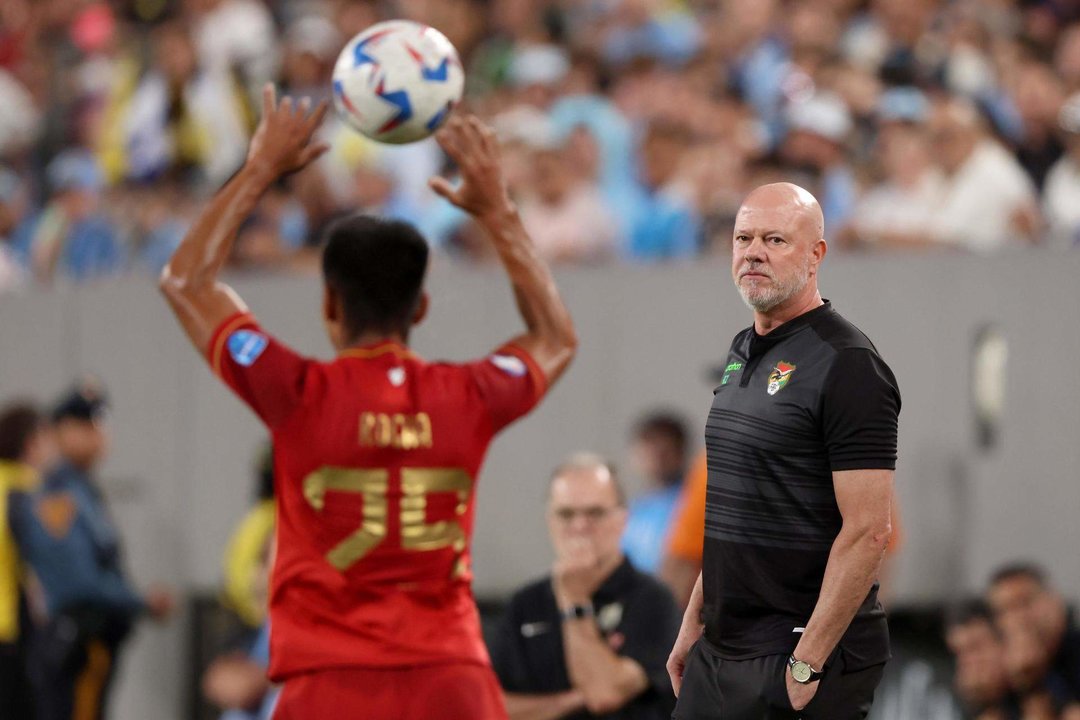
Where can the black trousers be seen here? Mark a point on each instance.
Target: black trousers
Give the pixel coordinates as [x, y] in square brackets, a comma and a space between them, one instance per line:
[16, 694]
[71, 672]
[756, 689]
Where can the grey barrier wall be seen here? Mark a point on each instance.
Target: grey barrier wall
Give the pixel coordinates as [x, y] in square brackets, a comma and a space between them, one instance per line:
[179, 475]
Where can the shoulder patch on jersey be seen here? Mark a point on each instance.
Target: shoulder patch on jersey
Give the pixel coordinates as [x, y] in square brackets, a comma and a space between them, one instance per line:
[510, 364]
[245, 346]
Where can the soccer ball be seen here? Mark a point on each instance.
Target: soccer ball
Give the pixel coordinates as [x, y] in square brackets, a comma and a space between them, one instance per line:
[397, 81]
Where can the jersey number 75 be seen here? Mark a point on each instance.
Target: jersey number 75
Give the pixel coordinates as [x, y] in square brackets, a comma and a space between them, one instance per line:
[372, 484]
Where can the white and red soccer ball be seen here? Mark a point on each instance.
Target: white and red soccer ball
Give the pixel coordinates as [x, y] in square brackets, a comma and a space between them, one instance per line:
[397, 81]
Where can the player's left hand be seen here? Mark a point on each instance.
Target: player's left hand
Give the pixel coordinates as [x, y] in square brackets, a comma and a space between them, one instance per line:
[800, 695]
[472, 145]
[282, 142]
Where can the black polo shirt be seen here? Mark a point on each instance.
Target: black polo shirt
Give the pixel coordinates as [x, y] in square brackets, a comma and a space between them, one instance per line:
[633, 610]
[811, 397]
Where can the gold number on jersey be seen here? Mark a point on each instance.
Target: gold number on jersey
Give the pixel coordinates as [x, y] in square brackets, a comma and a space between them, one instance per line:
[372, 485]
[416, 533]
[416, 485]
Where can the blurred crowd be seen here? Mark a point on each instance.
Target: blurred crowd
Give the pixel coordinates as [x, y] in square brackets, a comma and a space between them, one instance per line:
[631, 128]
[1017, 649]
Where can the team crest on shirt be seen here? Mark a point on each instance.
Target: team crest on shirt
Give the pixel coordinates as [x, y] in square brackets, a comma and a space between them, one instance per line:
[780, 376]
[245, 346]
[513, 366]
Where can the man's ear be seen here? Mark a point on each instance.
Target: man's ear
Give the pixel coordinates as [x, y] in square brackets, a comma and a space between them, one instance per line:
[421, 308]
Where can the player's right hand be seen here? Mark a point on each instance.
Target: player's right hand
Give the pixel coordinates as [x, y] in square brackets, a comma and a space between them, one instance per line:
[282, 142]
[472, 146]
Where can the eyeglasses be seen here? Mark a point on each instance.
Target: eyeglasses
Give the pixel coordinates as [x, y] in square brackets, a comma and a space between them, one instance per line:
[592, 514]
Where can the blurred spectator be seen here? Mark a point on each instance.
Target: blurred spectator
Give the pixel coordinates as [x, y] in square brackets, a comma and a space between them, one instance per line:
[237, 681]
[1029, 612]
[73, 238]
[1061, 199]
[25, 452]
[1038, 96]
[19, 116]
[663, 223]
[818, 128]
[650, 29]
[898, 211]
[247, 554]
[980, 680]
[686, 538]
[988, 201]
[564, 212]
[65, 534]
[12, 211]
[591, 639]
[659, 457]
[236, 38]
[181, 117]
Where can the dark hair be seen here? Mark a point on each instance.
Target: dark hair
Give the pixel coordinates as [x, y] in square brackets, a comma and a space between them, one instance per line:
[1028, 570]
[666, 425]
[376, 266]
[966, 612]
[18, 423]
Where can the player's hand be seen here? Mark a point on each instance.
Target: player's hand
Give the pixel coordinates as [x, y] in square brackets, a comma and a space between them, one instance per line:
[800, 695]
[472, 146]
[689, 634]
[282, 142]
[160, 603]
[578, 573]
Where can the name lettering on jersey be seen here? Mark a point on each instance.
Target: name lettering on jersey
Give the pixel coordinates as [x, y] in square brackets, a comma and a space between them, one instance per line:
[780, 376]
[398, 431]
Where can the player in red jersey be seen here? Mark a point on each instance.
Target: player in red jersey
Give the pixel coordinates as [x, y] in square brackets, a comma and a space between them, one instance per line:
[377, 451]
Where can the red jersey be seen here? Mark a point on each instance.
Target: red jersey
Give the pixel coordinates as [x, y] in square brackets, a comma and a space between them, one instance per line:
[375, 458]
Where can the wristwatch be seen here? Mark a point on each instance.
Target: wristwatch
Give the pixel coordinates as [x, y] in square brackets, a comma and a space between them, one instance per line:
[577, 612]
[802, 672]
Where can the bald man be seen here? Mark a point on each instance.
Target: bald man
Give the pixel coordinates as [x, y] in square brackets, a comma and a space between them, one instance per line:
[784, 621]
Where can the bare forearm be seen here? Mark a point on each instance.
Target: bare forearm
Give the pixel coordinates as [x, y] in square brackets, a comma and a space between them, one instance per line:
[606, 680]
[547, 706]
[852, 568]
[546, 317]
[206, 247]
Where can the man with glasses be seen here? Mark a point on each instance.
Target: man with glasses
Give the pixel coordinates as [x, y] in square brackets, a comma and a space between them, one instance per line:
[589, 639]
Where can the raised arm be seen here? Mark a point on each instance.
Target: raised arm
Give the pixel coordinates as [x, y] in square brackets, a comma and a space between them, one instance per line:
[549, 337]
[282, 144]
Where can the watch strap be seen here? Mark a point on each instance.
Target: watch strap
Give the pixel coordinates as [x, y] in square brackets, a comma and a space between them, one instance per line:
[577, 612]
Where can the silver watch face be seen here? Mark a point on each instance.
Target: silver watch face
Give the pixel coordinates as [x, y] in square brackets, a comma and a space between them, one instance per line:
[801, 671]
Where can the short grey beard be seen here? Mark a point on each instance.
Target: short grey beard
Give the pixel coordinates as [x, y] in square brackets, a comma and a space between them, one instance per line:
[777, 295]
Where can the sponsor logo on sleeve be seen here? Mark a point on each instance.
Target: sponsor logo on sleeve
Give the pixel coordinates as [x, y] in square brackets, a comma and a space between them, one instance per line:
[780, 377]
[509, 364]
[245, 346]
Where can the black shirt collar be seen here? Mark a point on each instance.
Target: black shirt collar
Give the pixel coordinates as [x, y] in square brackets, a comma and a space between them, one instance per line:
[761, 343]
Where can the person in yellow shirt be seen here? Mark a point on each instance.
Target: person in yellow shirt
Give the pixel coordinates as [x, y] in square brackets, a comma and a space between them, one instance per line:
[25, 451]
